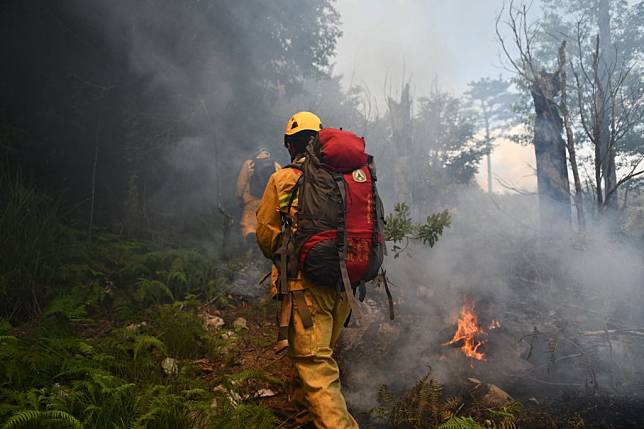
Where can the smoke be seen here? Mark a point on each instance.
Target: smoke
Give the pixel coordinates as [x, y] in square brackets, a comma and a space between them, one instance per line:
[530, 278]
[200, 78]
[202, 86]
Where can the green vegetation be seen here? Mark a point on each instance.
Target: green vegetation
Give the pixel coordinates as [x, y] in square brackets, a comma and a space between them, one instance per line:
[400, 228]
[105, 334]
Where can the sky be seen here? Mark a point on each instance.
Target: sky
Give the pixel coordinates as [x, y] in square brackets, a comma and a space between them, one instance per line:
[452, 42]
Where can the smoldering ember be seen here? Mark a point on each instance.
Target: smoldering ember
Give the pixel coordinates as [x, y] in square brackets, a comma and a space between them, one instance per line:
[322, 214]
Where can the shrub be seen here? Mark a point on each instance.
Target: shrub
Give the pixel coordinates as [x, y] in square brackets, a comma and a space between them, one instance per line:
[31, 236]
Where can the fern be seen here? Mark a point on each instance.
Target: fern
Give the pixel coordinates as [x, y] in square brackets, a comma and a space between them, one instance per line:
[460, 423]
[49, 419]
[505, 417]
[246, 416]
[177, 275]
[153, 289]
[8, 339]
[251, 374]
[451, 408]
[420, 407]
[143, 342]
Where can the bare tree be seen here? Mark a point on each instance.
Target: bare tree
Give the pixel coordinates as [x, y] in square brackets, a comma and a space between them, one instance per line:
[570, 138]
[610, 107]
[545, 87]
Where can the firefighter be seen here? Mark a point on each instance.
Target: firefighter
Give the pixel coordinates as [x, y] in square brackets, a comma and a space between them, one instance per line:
[324, 310]
[253, 176]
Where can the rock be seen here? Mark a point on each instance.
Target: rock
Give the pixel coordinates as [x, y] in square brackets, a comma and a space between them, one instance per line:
[213, 322]
[264, 393]
[388, 329]
[170, 366]
[240, 323]
[229, 335]
[490, 395]
[496, 397]
[133, 327]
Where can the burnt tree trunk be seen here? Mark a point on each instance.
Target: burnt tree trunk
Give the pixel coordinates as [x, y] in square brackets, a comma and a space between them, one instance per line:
[401, 127]
[550, 153]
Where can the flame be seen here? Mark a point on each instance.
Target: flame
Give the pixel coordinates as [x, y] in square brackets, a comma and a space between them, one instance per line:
[467, 331]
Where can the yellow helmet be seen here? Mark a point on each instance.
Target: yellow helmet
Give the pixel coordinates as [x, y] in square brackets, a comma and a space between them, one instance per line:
[302, 121]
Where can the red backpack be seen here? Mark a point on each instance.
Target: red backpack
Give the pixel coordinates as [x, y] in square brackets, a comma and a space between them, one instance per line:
[338, 241]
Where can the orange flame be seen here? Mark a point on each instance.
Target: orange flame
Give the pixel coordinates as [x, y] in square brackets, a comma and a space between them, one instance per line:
[467, 331]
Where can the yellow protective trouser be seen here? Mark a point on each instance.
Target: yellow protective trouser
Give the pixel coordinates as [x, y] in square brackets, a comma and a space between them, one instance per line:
[311, 351]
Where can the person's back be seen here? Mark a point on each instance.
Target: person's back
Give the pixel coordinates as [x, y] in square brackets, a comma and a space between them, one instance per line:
[318, 312]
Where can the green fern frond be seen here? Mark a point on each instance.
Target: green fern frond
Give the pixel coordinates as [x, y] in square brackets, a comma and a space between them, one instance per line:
[177, 274]
[461, 423]
[252, 374]
[49, 419]
[247, 416]
[154, 289]
[142, 342]
[507, 416]
[194, 394]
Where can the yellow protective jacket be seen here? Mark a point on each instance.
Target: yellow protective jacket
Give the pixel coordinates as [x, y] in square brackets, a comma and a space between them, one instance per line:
[273, 204]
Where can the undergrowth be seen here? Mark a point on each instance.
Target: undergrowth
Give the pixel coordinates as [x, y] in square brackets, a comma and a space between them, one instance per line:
[426, 406]
[107, 333]
[53, 377]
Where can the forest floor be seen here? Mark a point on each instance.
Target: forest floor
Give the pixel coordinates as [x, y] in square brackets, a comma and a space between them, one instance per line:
[254, 351]
[152, 336]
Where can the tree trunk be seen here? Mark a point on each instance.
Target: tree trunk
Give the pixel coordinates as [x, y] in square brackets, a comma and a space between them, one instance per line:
[401, 127]
[570, 140]
[133, 209]
[488, 144]
[133, 199]
[607, 152]
[550, 154]
[90, 228]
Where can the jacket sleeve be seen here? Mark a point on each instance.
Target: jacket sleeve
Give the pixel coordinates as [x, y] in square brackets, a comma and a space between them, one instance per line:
[269, 226]
[243, 179]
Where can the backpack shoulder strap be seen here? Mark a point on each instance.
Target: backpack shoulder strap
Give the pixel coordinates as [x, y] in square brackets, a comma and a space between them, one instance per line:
[342, 249]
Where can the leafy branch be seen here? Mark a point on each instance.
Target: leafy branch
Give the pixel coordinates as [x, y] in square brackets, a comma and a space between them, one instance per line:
[400, 228]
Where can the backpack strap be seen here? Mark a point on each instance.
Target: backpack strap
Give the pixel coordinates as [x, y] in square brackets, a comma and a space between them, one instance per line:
[361, 288]
[287, 297]
[378, 215]
[286, 312]
[342, 249]
[389, 297]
